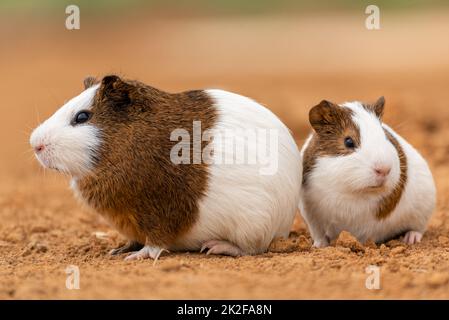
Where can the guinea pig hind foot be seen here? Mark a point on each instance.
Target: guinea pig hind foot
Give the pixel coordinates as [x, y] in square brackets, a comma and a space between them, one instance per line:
[412, 237]
[222, 247]
[147, 252]
[130, 246]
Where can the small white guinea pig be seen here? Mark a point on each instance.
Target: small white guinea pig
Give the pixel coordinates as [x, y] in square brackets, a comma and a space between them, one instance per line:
[165, 171]
[361, 176]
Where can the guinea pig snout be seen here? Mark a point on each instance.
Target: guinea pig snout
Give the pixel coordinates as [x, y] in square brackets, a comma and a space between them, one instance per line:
[382, 171]
[37, 144]
[39, 148]
[380, 175]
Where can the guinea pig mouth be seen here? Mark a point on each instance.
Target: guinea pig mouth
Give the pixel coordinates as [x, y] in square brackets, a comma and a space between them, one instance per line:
[376, 188]
[46, 163]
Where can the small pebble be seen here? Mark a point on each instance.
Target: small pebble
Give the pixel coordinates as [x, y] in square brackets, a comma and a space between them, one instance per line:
[443, 240]
[347, 240]
[397, 251]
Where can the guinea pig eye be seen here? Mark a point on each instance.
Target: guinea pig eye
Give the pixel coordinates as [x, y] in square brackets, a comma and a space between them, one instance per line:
[349, 143]
[81, 117]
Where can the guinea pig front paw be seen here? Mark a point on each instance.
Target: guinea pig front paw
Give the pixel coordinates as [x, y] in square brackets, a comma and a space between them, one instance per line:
[130, 246]
[321, 243]
[146, 252]
[221, 247]
[412, 237]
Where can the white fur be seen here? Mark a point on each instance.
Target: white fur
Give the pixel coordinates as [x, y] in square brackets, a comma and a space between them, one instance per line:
[334, 199]
[68, 147]
[242, 205]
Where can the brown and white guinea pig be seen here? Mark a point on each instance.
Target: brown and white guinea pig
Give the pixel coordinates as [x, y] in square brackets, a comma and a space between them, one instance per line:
[116, 141]
[361, 176]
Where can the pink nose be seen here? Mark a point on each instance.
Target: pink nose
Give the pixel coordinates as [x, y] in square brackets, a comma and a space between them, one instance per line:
[39, 148]
[382, 171]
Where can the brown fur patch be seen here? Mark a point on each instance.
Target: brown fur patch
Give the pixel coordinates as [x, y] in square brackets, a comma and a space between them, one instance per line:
[389, 203]
[332, 124]
[134, 184]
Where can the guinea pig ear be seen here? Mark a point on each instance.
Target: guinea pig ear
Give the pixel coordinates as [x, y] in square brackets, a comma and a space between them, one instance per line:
[110, 82]
[115, 90]
[378, 107]
[322, 114]
[89, 81]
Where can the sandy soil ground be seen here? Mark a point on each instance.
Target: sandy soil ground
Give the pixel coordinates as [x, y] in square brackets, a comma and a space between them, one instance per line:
[289, 63]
